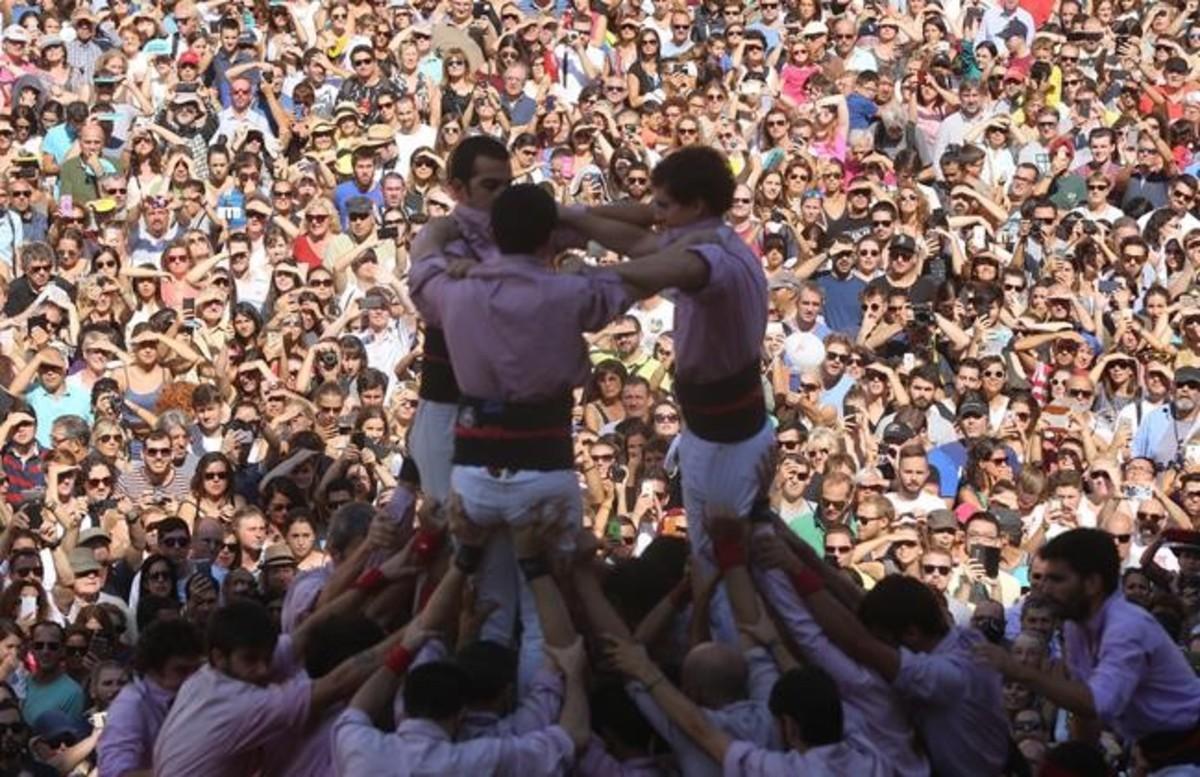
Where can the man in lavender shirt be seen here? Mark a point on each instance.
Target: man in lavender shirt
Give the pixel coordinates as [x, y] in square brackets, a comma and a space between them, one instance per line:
[1126, 672]
[720, 320]
[478, 170]
[167, 654]
[252, 693]
[514, 330]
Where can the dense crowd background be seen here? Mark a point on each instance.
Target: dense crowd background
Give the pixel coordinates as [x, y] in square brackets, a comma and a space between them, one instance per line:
[979, 227]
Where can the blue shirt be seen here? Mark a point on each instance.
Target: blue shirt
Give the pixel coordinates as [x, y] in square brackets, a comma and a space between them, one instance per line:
[349, 189]
[57, 142]
[842, 311]
[862, 111]
[50, 407]
[1160, 438]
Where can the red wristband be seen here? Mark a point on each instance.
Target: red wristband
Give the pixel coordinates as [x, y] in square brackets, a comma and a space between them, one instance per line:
[426, 545]
[807, 582]
[729, 553]
[371, 580]
[398, 659]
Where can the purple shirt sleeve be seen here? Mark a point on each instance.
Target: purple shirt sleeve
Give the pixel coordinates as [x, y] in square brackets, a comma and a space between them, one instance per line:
[929, 677]
[274, 710]
[603, 298]
[127, 744]
[539, 707]
[1119, 668]
[426, 281]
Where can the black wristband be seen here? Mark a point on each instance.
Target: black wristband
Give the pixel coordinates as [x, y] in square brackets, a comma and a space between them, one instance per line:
[468, 558]
[533, 568]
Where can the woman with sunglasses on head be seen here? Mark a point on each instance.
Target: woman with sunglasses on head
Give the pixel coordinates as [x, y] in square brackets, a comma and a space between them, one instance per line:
[108, 440]
[212, 494]
[645, 76]
[457, 86]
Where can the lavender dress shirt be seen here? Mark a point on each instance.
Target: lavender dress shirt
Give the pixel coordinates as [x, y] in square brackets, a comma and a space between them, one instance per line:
[513, 326]
[958, 705]
[134, 719]
[1140, 681]
[421, 747]
[851, 756]
[719, 329]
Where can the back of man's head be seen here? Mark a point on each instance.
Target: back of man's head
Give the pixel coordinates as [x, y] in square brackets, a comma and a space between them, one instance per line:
[898, 604]
[490, 667]
[462, 159]
[337, 638]
[1087, 552]
[715, 675]
[523, 216]
[243, 623]
[435, 691]
[809, 698]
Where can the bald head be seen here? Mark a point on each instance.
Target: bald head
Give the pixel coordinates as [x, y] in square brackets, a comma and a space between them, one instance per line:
[715, 675]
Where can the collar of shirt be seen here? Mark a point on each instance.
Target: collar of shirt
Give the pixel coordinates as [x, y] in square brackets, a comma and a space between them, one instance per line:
[419, 728]
[476, 228]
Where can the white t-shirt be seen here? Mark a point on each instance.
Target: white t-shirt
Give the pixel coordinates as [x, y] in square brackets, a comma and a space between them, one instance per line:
[924, 503]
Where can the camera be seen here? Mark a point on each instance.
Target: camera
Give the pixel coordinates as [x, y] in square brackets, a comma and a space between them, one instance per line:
[923, 315]
[329, 359]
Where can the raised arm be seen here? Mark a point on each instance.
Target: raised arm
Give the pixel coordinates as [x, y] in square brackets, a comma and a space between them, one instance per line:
[624, 237]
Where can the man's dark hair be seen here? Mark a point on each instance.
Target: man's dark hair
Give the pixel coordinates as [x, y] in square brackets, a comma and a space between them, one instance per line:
[205, 394]
[173, 524]
[77, 112]
[243, 623]
[348, 525]
[899, 602]
[435, 691]
[337, 638]
[371, 378]
[615, 714]
[523, 216]
[462, 160]
[1075, 758]
[810, 697]
[490, 668]
[1087, 552]
[697, 173]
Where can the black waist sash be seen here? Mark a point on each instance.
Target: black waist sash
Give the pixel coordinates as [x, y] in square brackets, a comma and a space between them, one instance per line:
[514, 435]
[438, 383]
[728, 410]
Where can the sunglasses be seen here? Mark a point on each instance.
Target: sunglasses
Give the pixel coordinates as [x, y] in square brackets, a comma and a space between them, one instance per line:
[935, 569]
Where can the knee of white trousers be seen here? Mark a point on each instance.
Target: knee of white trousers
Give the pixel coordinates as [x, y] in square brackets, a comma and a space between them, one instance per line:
[498, 581]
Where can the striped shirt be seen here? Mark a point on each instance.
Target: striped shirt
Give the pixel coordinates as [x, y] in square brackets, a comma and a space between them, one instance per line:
[135, 484]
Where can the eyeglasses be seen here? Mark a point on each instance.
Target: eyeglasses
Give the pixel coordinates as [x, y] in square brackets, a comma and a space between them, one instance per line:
[216, 475]
[665, 418]
[98, 482]
[362, 62]
[1014, 287]
[998, 460]
[838, 550]
[993, 374]
[835, 505]
[1080, 393]
[174, 542]
[836, 356]
[157, 452]
[935, 569]
[882, 222]
[1146, 517]
[46, 646]
[455, 63]
[159, 577]
[24, 572]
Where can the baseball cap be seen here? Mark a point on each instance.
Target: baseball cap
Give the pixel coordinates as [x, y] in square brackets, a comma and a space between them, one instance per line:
[93, 534]
[814, 29]
[17, 33]
[903, 244]
[785, 280]
[941, 519]
[83, 561]
[897, 433]
[189, 58]
[360, 205]
[1187, 375]
[972, 405]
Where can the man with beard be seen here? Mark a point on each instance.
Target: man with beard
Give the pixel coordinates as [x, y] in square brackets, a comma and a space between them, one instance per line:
[1166, 433]
[1125, 672]
[923, 383]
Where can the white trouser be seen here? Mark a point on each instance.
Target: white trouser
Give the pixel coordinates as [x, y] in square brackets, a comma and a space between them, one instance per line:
[507, 498]
[431, 441]
[724, 476]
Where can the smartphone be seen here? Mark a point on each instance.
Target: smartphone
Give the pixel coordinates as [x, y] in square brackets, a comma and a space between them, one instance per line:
[28, 608]
[389, 233]
[1138, 493]
[346, 423]
[189, 307]
[989, 557]
[647, 489]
